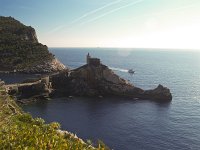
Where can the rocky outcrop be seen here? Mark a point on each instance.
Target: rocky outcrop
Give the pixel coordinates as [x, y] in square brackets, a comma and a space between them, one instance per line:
[2, 83]
[160, 93]
[20, 50]
[50, 66]
[29, 91]
[29, 35]
[87, 80]
[92, 80]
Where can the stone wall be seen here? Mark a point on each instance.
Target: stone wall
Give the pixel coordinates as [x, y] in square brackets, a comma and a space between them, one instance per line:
[42, 87]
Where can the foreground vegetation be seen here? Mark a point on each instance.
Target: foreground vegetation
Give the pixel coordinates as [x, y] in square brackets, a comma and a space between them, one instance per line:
[18, 130]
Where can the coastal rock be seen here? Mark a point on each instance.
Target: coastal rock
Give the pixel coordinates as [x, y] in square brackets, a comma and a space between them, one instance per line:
[20, 50]
[50, 66]
[92, 79]
[39, 88]
[2, 83]
[110, 76]
[160, 93]
[95, 79]
[30, 35]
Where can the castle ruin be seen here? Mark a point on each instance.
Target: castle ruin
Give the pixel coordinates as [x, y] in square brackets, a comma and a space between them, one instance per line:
[92, 61]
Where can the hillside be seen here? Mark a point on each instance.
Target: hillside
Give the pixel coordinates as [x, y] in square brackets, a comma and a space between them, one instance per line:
[18, 130]
[20, 50]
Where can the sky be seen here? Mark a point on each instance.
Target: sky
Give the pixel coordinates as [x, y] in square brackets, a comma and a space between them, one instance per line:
[110, 23]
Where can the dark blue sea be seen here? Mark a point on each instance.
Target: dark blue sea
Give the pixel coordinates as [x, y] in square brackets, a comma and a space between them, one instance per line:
[126, 124]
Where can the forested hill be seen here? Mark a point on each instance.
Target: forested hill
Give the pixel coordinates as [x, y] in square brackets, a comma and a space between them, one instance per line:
[20, 50]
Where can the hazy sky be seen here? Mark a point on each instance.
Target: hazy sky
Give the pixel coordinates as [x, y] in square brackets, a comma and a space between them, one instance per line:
[110, 23]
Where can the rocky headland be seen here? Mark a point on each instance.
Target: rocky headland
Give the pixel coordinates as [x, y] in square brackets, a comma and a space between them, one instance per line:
[92, 80]
[96, 79]
[20, 50]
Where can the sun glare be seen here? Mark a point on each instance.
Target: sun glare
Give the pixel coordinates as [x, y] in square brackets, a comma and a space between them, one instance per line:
[180, 38]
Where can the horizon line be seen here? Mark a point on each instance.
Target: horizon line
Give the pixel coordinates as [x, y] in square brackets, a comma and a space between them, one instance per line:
[125, 48]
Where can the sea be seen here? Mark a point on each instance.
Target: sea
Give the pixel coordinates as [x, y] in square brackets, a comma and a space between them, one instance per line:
[124, 123]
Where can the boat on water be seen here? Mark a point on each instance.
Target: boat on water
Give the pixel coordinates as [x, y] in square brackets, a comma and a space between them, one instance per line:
[131, 71]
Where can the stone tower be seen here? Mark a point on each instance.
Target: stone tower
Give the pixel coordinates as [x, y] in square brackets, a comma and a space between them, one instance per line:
[88, 58]
[92, 61]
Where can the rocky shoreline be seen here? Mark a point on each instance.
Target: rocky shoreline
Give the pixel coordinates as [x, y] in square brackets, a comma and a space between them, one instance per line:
[91, 80]
[51, 66]
[100, 81]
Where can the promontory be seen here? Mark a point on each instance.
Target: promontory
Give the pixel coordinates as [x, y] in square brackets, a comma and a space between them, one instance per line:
[93, 79]
[20, 50]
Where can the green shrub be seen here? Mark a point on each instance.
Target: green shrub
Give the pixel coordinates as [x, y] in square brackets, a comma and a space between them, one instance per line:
[26, 132]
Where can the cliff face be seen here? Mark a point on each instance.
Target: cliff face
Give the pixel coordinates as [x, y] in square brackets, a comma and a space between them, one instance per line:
[20, 50]
[11, 27]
